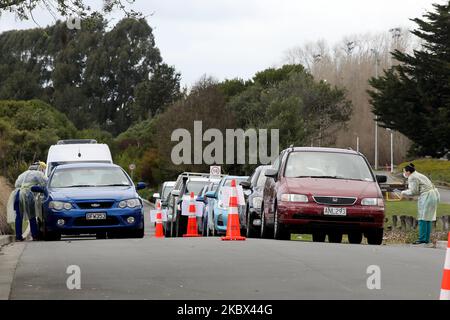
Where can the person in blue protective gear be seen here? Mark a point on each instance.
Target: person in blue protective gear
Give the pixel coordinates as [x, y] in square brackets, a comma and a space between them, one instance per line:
[429, 197]
[24, 202]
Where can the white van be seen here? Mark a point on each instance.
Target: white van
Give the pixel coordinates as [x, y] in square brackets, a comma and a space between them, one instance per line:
[70, 151]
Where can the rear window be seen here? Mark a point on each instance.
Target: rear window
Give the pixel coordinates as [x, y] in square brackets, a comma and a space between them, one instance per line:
[327, 165]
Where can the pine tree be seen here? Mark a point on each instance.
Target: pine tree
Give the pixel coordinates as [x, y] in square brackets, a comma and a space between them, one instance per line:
[413, 97]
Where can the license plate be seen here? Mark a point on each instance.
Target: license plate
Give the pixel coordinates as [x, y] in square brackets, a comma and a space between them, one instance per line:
[335, 211]
[96, 216]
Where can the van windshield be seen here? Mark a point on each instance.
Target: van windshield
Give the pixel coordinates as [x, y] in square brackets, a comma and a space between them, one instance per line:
[331, 165]
[88, 177]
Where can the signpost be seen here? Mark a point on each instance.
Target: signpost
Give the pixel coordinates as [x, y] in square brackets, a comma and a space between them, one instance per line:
[215, 170]
[132, 167]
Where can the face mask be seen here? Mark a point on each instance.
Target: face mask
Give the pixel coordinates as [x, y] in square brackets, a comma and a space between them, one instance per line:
[405, 176]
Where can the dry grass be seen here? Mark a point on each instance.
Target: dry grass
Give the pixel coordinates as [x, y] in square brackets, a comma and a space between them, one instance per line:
[5, 191]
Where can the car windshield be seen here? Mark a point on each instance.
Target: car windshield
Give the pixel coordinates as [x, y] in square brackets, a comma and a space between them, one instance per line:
[261, 179]
[88, 177]
[195, 186]
[167, 191]
[327, 165]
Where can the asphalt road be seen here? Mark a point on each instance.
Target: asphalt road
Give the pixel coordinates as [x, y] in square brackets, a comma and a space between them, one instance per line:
[207, 268]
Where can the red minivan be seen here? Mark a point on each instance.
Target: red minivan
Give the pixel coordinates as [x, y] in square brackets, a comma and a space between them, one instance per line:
[323, 191]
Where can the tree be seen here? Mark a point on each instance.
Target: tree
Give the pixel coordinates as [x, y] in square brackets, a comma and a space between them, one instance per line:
[294, 103]
[27, 129]
[106, 79]
[413, 97]
[24, 8]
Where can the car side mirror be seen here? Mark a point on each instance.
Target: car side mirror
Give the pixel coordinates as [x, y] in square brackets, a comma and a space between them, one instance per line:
[175, 193]
[211, 194]
[141, 185]
[245, 184]
[37, 189]
[200, 199]
[271, 173]
[381, 179]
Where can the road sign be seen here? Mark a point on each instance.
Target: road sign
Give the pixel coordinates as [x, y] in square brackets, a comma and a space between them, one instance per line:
[215, 170]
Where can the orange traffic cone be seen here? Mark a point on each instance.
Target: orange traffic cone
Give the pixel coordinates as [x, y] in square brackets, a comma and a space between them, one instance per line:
[159, 233]
[192, 229]
[445, 287]
[233, 225]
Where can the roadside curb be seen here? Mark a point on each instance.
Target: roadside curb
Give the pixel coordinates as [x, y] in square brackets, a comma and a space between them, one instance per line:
[5, 240]
[441, 245]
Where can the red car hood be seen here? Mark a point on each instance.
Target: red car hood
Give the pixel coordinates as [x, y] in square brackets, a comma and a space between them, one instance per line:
[332, 187]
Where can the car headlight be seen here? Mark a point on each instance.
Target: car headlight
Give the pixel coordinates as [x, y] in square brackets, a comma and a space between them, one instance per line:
[131, 203]
[257, 201]
[372, 202]
[294, 197]
[59, 205]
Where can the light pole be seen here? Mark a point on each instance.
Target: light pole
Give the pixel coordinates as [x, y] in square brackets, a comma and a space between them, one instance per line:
[377, 63]
[392, 149]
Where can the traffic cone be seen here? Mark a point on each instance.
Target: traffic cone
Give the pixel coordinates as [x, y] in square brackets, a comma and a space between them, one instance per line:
[159, 233]
[445, 287]
[192, 229]
[233, 225]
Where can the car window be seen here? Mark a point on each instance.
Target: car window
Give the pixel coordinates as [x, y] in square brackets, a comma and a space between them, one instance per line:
[195, 186]
[88, 177]
[262, 178]
[327, 164]
[166, 191]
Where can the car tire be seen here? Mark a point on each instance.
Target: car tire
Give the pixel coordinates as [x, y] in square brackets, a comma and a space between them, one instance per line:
[279, 230]
[375, 237]
[335, 237]
[251, 231]
[355, 237]
[319, 236]
[265, 231]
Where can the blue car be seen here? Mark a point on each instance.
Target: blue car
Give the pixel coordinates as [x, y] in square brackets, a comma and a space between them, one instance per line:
[220, 209]
[90, 198]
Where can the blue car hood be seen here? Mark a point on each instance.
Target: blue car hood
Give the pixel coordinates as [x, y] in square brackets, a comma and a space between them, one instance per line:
[93, 193]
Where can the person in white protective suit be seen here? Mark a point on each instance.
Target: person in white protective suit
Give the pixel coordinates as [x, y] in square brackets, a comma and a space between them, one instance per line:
[24, 201]
[429, 197]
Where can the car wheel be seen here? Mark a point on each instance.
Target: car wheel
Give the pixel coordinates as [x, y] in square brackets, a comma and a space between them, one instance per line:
[319, 236]
[279, 230]
[265, 231]
[375, 237]
[251, 231]
[335, 237]
[355, 237]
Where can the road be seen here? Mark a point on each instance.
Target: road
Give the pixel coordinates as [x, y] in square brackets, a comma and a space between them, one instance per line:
[207, 268]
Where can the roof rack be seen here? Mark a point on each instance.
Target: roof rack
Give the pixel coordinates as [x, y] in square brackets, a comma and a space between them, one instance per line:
[77, 141]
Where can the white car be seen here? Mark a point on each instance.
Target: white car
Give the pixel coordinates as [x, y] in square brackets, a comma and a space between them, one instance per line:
[75, 151]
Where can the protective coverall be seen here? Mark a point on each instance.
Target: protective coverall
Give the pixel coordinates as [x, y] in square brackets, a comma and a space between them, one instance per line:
[429, 197]
[24, 203]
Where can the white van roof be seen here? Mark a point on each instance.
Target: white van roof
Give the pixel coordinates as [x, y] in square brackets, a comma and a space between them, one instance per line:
[78, 153]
